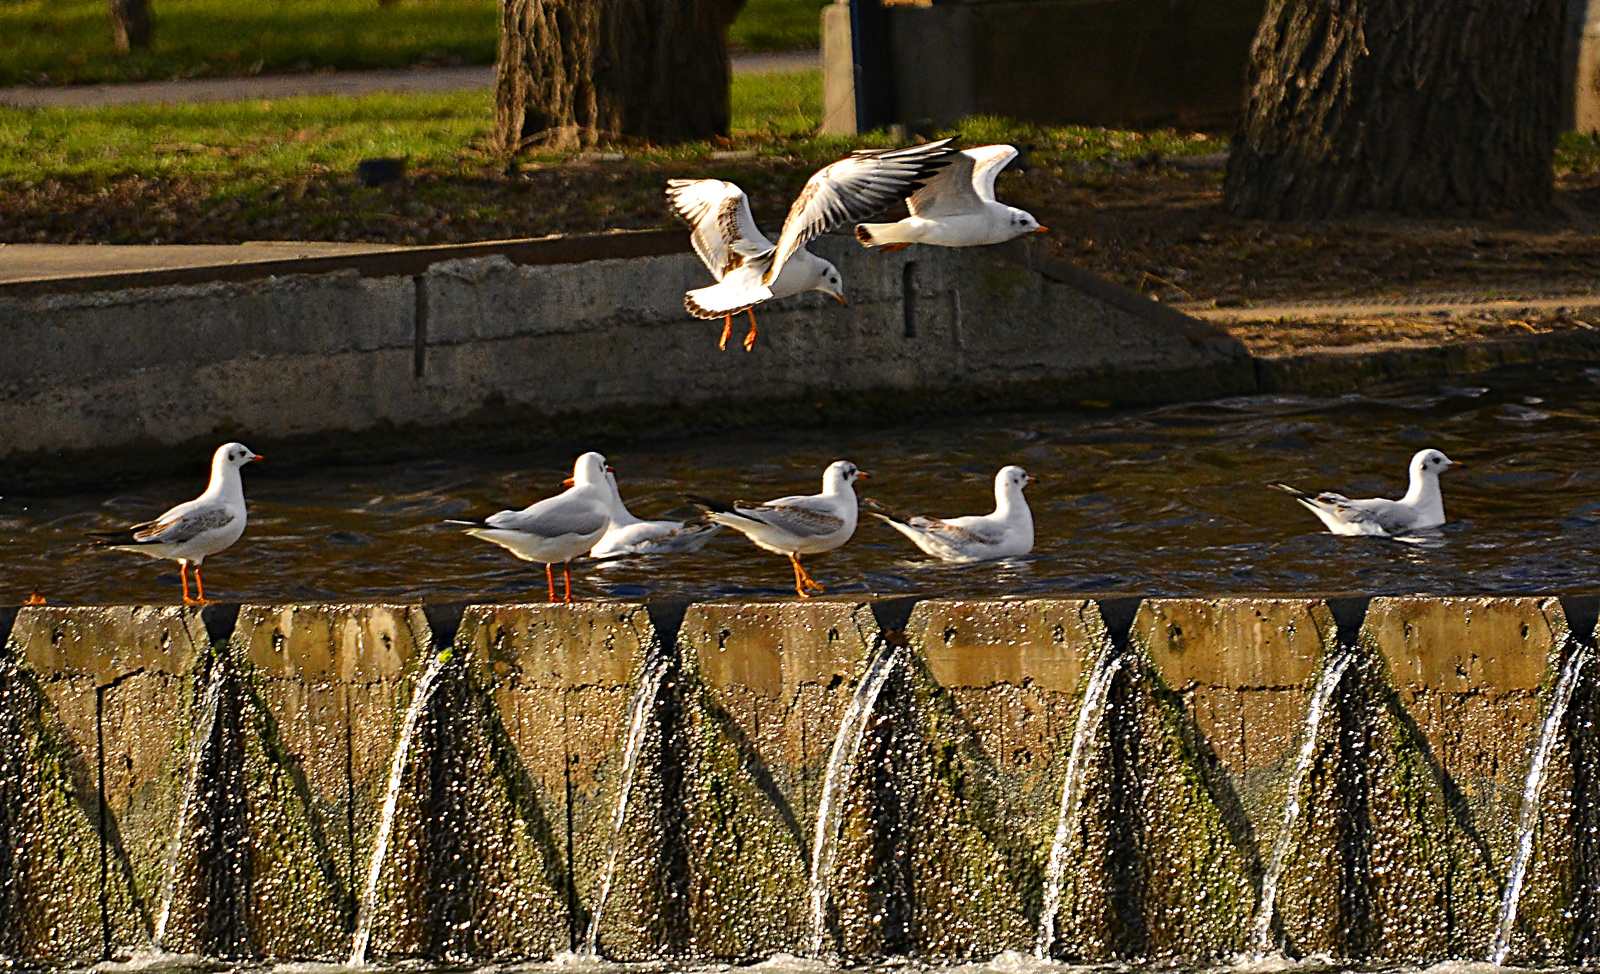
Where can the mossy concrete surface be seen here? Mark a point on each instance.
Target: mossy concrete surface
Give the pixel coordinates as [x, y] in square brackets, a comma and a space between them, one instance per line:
[650, 777]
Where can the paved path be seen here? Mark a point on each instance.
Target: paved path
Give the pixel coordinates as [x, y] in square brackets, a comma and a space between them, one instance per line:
[273, 86]
[1423, 304]
[46, 262]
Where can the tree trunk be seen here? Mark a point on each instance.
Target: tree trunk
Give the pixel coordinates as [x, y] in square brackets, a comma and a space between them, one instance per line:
[130, 24]
[1431, 107]
[577, 72]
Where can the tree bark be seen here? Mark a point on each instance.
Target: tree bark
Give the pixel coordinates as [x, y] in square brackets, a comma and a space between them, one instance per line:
[130, 24]
[1428, 107]
[578, 72]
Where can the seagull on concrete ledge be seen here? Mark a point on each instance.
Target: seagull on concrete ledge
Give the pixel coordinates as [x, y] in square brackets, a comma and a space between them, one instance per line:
[189, 532]
[1420, 509]
[751, 269]
[800, 525]
[628, 535]
[956, 208]
[1007, 533]
[556, 529]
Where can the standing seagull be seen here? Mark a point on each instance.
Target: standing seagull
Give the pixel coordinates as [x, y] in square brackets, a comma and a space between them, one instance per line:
[189, 532]
[799, 525]
[956, 208]
[628, 535]
[556, 529]
[1420, 509]
[751, 269]
[1007, 533]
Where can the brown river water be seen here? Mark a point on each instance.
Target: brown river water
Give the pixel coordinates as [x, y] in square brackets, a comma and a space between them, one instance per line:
[1158, 501]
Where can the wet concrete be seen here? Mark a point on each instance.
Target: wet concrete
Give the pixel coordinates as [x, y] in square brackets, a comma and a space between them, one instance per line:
[229, 769]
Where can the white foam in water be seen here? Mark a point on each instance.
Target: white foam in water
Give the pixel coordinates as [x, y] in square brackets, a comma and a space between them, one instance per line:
[841, 768]
[1083, 735]
[153, 958]
[789, 962]
[1261, 925]
[397, 767]
[638, 720]
[204, 730]
[1528, 817]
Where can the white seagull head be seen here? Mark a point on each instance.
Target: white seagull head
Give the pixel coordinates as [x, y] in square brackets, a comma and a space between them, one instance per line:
[840, 475]
[234, 455]
[1023, 222]
[591, 469]
[1012, 478]
[1430, 463]
[829, 281]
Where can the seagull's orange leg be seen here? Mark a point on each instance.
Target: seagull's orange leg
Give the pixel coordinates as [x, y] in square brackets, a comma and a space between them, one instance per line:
[727, 329]
[566, 573]
[550, 579]
[36, 599]
[809, 583]
[799, 586]
[200, 587]
[750, 339]
[183, 573]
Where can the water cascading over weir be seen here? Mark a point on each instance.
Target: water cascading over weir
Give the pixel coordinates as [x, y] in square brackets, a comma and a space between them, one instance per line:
[1390, 778]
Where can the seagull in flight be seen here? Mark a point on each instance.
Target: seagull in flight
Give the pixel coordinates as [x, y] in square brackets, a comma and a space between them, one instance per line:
[189, 532]
[1420, 509]
[751, 269]
[956, 208]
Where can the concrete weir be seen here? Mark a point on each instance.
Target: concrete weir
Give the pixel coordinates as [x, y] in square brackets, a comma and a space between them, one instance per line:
[1364, 778]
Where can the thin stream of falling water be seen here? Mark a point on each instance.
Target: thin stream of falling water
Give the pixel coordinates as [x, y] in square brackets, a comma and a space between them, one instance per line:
[841, 768]
[397, 767]
[638, 721]
[205, 729]
[1261, 923]
[1528, 817]
[1090, 712]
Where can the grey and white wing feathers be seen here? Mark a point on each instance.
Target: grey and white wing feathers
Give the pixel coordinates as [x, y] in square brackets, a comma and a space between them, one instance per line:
[183, 523]
[854, 188]
[721, 228]
[555, 521]
[988, 161]
[793, 516]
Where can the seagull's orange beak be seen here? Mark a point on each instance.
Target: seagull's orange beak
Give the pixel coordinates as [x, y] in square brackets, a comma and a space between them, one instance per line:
[569, 482]
[841, 299]
[1456, 463]
[1032, 479]
[609, 469]
[257, 458]
[1041, 229]
[863, 475]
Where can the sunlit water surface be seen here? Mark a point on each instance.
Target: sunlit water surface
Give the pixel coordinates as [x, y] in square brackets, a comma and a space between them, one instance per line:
[1169, 500]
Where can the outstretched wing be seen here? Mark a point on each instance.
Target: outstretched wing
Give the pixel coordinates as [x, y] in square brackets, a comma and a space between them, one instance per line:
[854, 188]
[988, 160]
[721, 228]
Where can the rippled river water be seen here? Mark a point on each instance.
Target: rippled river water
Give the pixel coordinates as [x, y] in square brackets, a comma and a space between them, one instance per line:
[1168, 500]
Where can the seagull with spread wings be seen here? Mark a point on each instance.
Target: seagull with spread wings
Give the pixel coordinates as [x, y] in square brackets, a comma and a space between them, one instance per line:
[189, 532]
[807, 524]
[1420, 509]
[1006, 533]
[956, 208]
[751, 269]
[556, 529]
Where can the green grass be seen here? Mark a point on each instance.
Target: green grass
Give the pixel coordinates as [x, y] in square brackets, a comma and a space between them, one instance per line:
[775, 25]
[69, 41]
[1578, 153]
[292, 135]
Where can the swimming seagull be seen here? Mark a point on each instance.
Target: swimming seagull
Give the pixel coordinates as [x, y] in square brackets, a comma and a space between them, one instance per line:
[1006, 533]
[628, 535]
[191, 531]
[1421, 508]
[957, 207]
[799, 525]
[751, 269]
[556, 529]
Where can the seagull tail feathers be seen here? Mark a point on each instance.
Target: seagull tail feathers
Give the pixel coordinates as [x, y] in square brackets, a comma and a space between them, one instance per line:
[480, 523]
[884, 512]
[1294, 492]
[121, 537]
[874, 235]
[713, 506]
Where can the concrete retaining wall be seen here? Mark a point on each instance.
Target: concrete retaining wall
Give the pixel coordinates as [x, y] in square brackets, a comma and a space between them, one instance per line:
[378, 350]
[657, 778]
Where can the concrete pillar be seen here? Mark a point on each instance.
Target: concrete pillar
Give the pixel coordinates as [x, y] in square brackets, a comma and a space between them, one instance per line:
[838, 71]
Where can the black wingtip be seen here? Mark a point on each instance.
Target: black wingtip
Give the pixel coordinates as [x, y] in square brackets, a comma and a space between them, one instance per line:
[715, 506]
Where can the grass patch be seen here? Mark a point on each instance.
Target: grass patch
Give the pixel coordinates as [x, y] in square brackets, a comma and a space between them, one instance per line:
[69, 41]
[1578, 154]
[776, 25]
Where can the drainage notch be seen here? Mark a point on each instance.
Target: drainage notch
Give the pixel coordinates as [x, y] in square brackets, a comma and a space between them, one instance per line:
[8, 621]
[1349, 614]
[220, 619]
[1118, 614]
[1583, 616]
[444, 622]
